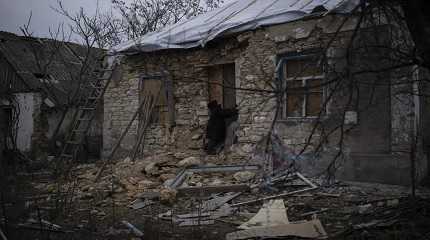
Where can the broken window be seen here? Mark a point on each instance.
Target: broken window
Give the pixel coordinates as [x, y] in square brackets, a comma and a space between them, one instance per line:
[303, 79]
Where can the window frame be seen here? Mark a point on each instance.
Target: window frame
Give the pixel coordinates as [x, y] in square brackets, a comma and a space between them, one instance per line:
[283, 60]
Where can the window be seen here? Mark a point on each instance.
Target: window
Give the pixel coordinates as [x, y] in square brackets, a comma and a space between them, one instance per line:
[304, 79]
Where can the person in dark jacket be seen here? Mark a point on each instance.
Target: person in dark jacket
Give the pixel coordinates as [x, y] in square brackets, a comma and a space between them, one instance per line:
[216, 128]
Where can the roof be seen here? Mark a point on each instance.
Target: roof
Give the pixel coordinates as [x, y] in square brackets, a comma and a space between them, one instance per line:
[45, 65]
[238, 16]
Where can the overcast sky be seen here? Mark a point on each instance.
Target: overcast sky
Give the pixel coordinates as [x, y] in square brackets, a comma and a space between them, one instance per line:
[15, 13]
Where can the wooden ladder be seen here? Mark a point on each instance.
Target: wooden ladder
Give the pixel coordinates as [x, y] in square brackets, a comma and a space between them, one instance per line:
[93, 91]
[146, 109]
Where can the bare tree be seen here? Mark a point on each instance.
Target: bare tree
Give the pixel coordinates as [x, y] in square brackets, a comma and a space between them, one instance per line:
[140, 16]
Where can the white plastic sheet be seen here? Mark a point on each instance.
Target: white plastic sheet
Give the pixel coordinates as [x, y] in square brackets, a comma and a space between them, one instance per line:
[237, 16]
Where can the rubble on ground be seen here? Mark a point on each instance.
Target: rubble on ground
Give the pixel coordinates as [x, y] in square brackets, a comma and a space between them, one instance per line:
[157, 190]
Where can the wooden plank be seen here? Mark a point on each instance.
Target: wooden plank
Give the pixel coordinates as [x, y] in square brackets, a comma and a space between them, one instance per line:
[195, 222]
[213, 189]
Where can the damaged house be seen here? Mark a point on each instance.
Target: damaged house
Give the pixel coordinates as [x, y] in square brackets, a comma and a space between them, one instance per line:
[310, 74]
[41, 83]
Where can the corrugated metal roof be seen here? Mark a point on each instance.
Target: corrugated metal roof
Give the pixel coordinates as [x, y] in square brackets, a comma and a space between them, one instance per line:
[238, 16]
[61, 60]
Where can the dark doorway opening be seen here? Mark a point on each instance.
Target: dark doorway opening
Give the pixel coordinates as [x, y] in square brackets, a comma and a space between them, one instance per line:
[222, 83]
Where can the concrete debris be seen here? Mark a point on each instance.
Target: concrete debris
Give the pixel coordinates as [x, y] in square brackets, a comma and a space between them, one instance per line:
[145, 184]
[150, 195]
[273, 213]
[189, 161]
[168, 196]
[221, 195]
[244, 176]
[307, 229]
[151, 169]
[196, 136]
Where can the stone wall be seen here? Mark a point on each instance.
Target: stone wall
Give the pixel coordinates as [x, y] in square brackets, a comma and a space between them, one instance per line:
[255, 54]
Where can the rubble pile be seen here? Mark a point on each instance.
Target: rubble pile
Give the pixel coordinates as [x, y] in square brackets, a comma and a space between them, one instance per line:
[171, 193]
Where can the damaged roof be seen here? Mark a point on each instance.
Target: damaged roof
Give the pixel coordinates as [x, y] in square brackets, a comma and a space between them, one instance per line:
[46, 65]
[238, 16]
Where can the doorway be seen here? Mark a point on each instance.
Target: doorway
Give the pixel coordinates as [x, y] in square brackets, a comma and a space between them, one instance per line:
[222, 83]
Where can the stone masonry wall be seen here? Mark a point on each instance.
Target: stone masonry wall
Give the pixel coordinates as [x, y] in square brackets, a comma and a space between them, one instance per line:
[255, 54]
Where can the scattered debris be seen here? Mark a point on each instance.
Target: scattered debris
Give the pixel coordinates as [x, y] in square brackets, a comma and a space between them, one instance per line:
[189, 161]
[168, 196]
[225, 195]
[273, 213]
[218, 201]
[312, 186]
[305, 229]
[139, 203]
[244, 176]
[135, 230]
[191, 180]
